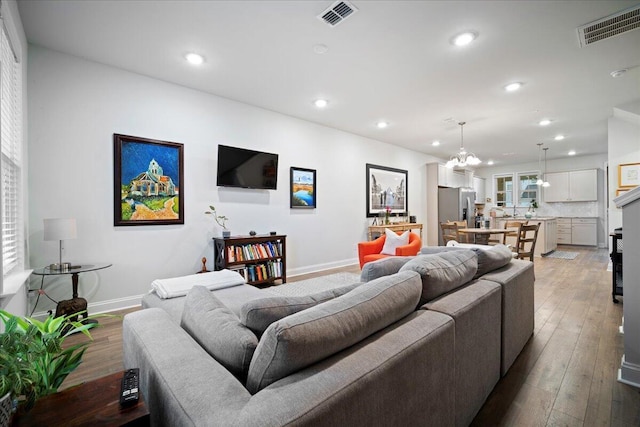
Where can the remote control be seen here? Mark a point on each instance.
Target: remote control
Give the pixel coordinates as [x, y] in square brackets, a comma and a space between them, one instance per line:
[129, 390]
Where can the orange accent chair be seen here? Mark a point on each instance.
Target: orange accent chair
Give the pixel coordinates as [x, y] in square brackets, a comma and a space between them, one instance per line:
[370, 251]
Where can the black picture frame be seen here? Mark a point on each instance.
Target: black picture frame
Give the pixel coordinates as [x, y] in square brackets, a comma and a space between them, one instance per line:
[148, 181]
[302, 188]
[386, 187]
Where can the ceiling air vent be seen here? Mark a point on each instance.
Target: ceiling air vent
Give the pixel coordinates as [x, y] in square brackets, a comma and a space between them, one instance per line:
[337, 12]
[610, 26]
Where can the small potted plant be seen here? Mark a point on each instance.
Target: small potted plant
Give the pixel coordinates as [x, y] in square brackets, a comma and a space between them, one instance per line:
[531, 212]
[33, 362]
[221, 220]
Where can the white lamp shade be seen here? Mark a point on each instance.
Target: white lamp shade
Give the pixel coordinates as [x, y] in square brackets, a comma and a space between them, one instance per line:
[60, 229]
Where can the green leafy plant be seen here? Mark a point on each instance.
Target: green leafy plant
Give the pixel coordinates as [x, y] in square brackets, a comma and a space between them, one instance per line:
[33, 362]
[533, 204]
[220, 219]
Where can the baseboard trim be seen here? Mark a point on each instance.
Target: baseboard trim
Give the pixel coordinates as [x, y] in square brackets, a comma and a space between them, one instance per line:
[104, 306]
[321, 267]
[629, 373]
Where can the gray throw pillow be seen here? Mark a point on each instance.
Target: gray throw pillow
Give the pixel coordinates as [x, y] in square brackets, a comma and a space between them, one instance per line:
[258, 314]
[304, 338]
[443, 272]
[383, 267]
[491, 259]
[218, 331]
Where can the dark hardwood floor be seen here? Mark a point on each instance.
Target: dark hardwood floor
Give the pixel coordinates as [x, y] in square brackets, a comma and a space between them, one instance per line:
[565, 376]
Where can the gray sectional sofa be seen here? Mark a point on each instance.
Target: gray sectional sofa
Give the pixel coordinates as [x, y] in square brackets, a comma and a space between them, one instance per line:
[420, 340]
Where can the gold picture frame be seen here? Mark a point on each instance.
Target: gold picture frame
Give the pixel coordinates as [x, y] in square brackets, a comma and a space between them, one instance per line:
[619, 191]
[628, 175]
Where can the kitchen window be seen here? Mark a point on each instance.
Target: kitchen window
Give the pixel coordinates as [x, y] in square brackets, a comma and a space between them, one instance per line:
[527, 188]
[505, 190]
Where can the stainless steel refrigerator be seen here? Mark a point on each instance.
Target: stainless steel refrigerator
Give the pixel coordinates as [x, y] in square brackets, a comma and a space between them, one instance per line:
[455, 204]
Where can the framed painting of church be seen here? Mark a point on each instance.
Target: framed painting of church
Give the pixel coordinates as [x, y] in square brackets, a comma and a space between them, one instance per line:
[148, 181]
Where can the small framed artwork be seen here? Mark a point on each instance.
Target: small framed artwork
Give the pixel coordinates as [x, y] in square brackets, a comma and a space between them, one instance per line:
[303, 188]
[148, 181]
[386, 188]
[628, 175]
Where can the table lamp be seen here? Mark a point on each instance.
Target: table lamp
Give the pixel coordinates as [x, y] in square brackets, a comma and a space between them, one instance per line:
[60, 229]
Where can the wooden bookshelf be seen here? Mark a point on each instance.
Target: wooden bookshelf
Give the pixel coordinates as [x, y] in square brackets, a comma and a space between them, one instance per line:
[260, 259]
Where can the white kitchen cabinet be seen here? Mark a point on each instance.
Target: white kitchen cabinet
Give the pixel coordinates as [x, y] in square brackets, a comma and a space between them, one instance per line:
[572, 186]
[479, 186]
[578, 231]
[564, 231]
[451, 178]
[584, 231]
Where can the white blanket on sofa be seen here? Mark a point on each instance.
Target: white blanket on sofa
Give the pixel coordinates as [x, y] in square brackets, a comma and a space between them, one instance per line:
[180, 286]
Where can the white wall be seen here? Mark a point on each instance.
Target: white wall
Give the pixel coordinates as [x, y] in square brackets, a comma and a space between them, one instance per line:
[77, 105]
[573, 209]
[624, 147]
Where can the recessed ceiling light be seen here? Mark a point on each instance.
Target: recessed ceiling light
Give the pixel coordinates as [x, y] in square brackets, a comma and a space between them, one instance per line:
[320, 103]
[571, 153]
[559, 137]
[435, 143]
[320, 48]
[194, 58]
[382, 125]
[490, 162]
[512, 87]
[544, 122]
[618, 73]
[464, 39]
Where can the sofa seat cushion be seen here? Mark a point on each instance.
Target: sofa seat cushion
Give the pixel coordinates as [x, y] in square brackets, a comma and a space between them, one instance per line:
[257, 315]
[443, 272]
[218, 331]
[304, 338]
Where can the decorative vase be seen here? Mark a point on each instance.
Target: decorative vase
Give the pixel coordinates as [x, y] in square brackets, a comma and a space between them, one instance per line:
[6, 410]
[226, 234]
[528, 214]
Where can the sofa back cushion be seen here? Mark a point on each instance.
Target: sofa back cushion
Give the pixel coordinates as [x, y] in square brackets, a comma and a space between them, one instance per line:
[443, 272]
[492, 259]
[218, 331]
[257, 315]
[304, 338]
[382, 267]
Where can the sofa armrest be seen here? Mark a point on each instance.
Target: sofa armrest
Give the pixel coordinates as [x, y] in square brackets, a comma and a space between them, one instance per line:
[411, 249]
[368, 248]
[180, 382]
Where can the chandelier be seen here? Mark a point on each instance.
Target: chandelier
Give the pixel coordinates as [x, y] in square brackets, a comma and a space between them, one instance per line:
[463, 158]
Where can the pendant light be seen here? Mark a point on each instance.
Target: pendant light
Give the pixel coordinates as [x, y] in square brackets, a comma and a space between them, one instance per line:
[545, 183]
[539, 182]
[463, 158]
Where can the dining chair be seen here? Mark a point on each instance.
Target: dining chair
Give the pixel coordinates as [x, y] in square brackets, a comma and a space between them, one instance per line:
[449, 232]
[514, 234]
[464, 238]
[526, 242]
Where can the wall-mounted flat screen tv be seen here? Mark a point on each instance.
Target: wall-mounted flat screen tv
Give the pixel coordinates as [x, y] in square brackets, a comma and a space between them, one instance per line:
[239, 167]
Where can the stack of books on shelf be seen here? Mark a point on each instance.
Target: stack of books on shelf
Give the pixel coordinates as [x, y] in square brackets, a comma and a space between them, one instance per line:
[256, 251]
[261, 272]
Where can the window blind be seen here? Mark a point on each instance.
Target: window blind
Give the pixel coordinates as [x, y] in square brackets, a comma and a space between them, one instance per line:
[11, 162]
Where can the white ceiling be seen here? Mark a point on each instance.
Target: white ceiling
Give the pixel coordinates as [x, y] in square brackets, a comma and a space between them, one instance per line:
[392, 61]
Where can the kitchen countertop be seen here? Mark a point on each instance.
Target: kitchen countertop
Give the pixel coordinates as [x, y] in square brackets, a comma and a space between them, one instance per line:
[518, 218]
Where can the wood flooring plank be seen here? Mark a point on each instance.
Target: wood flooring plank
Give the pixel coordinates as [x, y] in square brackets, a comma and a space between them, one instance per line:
[559, 419]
